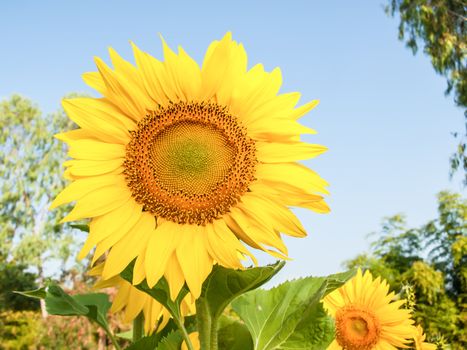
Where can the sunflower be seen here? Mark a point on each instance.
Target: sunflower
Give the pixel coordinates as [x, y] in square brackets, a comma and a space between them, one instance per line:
[131, 301]
[419, 340]
[179, 166]
[366, 317]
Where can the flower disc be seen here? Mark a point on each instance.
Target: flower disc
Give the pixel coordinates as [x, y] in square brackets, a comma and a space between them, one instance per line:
[189, 163]
[357, 328]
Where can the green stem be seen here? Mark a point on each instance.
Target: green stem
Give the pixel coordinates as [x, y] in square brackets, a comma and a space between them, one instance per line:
[112, 339]
[213, 334]
[138, 329]
[207, 326]
[185, 335]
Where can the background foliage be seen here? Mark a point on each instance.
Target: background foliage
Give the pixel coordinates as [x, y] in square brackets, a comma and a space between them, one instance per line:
[439, 26]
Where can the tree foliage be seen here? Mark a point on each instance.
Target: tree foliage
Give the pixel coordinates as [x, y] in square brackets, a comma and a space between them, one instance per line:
[30, 161]
[431, 262]
[14, 277]
[440, 26]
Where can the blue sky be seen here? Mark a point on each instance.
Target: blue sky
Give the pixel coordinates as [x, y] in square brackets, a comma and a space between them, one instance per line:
[383, 114]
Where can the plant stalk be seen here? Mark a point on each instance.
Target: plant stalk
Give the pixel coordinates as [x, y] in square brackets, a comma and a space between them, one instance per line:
[185, 335]
[112, 339]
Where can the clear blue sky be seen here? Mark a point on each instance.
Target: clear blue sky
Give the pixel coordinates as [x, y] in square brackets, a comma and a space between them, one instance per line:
[383, 114]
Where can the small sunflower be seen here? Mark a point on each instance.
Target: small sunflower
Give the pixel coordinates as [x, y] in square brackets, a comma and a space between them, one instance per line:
[419, 340]
[366, 317]
[131, 301]
[178, 166]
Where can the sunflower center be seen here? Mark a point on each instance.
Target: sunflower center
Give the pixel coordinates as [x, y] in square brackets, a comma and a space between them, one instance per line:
[189, 162]
[357, 328]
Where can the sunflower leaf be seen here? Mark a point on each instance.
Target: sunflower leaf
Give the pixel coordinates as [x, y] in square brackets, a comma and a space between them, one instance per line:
[220, 288]
[146, 343]
[171, 341]
[94, 306]
[39, 293]
[290, 316]
[84, 228]
[233, 335]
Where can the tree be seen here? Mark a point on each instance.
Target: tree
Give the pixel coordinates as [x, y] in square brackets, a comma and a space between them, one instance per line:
[432, 260]
[440, 26]
[14, 277]
[30, 177]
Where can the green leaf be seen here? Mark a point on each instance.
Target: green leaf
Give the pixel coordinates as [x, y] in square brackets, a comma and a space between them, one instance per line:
[57, 302]
[220, 288]
[173, 341]
[84, 228]
[233, 335]
[39, 293]
[94, 306]
[290, 316]
[128, 335]
[146, 343]
[98, 305]
[152, 341]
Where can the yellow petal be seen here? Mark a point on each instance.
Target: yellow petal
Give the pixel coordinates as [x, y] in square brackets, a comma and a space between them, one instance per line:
[136, 301]
[258, 233]
[302, 110]
[174, 276]
[215, 66]
[154, 77]
[160, 247]
[139, 272]
[118, 220]
[121, 298]
[194, 259]
[94, 80]
[95, 150]
[223, 245]
[128, 248]
[97, 117]
[287, 152]
[99, 202]
[123, 92]
[189, 75]
[81, 187]
[279, 107]
[85, 168]
[272, 214]
[293, 175]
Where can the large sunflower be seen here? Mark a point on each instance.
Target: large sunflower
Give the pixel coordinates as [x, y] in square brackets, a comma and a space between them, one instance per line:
[366, 318]
[178, 165]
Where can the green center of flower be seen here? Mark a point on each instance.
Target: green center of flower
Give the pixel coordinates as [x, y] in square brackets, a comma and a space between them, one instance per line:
[190, 157]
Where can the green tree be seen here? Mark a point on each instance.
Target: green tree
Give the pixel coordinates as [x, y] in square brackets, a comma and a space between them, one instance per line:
[14, 277]
[30, 177]
[432, 260]
[440, 27]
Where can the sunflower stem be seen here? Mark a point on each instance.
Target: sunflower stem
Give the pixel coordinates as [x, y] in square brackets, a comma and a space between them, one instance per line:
[207, 326]
[112, 339]
[138, 329]
[185, 335]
